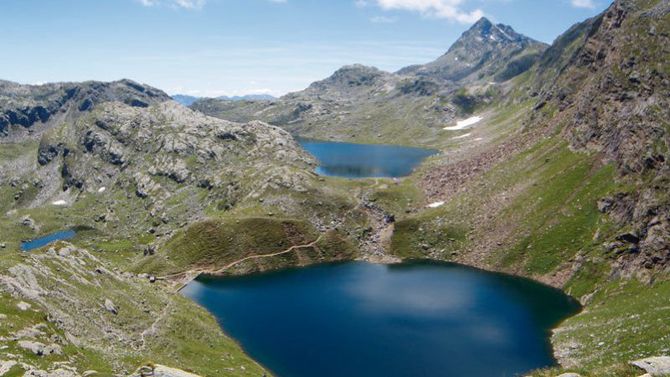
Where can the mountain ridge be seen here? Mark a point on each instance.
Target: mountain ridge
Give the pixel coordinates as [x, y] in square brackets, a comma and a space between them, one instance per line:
[345, 105]
[563, 178]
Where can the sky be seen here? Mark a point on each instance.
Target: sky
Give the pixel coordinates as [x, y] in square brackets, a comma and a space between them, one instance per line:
[236, 47]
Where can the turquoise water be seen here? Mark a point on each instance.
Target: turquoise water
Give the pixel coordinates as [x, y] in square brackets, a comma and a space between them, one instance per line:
[44, 241]
[350, 160]
[360, 319]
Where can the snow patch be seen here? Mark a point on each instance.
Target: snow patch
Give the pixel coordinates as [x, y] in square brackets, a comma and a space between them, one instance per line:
[461, 124]
[59, 203]
[435, 205]
[461, 136]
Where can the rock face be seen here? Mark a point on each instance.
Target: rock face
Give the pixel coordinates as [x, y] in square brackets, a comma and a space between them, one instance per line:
[149, 171]
[168, 141]
[486, 49]
[608, 79]
[30, 108]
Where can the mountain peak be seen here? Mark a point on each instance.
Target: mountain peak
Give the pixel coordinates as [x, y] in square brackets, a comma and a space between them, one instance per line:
[485, 49]
[486, 32]
[482, 23]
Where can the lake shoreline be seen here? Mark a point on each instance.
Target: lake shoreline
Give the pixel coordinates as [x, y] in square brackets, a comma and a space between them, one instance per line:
[412, 264]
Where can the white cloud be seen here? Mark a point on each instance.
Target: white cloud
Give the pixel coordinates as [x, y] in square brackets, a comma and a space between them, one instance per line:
[185, 4]
[589, 4]
[278, 1]
[448, 9]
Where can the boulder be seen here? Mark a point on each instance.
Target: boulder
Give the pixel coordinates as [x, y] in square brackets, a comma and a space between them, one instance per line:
[36, 348]
[29, 222]
[110, 307]
[150, 250]
[629, 237]
[6, 366]
[605, 205]
[161, 371]
[654, 366]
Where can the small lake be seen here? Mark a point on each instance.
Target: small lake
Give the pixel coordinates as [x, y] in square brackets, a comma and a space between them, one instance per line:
[365, 320]
[351, 160]
[46, 240]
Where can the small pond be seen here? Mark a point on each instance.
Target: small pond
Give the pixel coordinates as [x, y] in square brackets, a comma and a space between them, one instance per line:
[44, 241]
[359, 319]
[350, 160]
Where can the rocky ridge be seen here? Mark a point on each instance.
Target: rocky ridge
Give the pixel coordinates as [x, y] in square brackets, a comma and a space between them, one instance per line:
[28, 109]
[410, 106]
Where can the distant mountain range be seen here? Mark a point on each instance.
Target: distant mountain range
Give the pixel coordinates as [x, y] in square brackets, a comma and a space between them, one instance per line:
[553, 164]
[187, 100]
[365, 104]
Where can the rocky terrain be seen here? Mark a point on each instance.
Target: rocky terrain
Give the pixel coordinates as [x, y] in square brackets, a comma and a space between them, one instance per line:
[567, 182]
[485, 52]
[410, 106]
[133, 180]
[30, 109]
[563, 179]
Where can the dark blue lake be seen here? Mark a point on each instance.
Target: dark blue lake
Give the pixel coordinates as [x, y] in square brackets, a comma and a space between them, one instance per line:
[364, 160]
[44, 241]
[359, 319]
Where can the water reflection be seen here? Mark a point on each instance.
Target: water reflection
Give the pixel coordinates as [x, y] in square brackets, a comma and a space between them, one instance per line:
[364, 160]
[359, 319]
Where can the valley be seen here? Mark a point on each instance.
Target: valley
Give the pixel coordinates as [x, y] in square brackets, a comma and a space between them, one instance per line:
[548, 162]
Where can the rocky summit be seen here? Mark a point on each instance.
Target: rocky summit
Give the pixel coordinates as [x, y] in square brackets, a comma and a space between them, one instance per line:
[550, 163]
[486, 50]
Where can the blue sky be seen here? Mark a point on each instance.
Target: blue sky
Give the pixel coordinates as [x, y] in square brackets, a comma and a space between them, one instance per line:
[234, 47]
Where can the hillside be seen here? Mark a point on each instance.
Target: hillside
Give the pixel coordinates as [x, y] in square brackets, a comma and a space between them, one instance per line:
[364, 104]
[567, 185]
[30, 109]
[564, 178]
[577, 196]
[131, 179]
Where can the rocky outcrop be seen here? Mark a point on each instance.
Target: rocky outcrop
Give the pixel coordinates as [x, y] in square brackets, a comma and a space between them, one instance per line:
[654, 366]
[604, 82]
[23, 107]
[85, 306]
[157, 370]
[485, 50]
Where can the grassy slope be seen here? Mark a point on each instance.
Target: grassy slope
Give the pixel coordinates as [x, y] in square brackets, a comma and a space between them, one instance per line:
[213, 244]
[176, 331]
[536, 215]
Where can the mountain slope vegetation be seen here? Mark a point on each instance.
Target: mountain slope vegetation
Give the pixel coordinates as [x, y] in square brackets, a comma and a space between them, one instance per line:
[563, 178]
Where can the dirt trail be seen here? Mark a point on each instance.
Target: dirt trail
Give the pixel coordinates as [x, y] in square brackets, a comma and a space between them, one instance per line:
[183, 278]
[250, 257]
